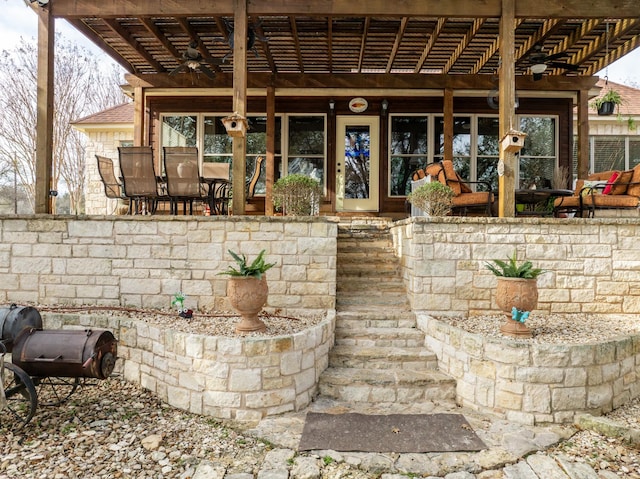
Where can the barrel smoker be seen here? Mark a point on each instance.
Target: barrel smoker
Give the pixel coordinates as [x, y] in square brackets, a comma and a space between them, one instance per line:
[52, 360]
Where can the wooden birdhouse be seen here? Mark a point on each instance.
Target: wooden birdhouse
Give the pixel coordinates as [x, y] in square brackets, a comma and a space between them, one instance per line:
[236, 125]
[513, 141]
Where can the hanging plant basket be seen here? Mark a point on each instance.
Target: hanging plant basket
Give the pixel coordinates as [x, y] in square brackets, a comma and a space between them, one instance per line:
[606, 108]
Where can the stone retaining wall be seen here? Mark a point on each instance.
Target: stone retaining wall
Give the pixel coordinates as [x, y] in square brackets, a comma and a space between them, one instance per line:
[142, 261]
[240, 378]
[593, 265]
[534, 383]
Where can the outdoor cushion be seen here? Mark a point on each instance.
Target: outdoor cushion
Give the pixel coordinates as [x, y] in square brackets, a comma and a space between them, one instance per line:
[473, 199]
[622, 183]
[634, 187]
[451, 178]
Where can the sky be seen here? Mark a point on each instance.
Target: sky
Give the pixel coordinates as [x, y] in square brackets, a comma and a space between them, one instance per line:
[17, 20]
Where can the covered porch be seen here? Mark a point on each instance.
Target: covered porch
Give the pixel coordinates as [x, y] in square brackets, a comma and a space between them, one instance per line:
[410, 83]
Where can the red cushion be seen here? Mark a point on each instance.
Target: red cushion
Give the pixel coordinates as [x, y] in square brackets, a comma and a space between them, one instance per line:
[610, 182]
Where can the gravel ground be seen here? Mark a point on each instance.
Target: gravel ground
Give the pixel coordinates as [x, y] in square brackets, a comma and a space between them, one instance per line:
[112, 429]
[555, 328]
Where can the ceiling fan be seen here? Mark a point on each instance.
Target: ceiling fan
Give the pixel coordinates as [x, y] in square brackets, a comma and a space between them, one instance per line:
[192, 59]
[539, 62]
[252, 36]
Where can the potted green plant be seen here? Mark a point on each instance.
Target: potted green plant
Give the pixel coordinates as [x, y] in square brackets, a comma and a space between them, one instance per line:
[297, 195]
[248, 291]
[607, 103]
[516, 293]
[433, 198]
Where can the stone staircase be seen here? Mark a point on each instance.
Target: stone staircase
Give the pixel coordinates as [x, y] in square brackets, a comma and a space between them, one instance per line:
[379, 356]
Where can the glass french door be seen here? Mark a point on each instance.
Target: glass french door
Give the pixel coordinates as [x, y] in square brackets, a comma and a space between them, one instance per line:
[357, 187]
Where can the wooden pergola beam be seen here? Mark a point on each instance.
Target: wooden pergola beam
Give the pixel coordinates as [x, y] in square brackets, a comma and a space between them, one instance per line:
[44, 115]
[122, 33]
[396, 43]
[475, 27]
[240, 32]
[296, 41]
[433, 38]
[615, 54]
[409, 8]
[352, 81]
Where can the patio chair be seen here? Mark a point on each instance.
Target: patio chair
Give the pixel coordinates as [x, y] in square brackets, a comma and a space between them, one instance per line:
[112, 187]
[465, 200]
[183, 177]
[216, 175]
[139, 180]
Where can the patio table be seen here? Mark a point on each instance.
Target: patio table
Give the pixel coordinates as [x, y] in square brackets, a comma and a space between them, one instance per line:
[535, 202]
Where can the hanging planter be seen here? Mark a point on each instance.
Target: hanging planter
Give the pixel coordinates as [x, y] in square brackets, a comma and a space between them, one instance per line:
[606, 108]
[607, 103]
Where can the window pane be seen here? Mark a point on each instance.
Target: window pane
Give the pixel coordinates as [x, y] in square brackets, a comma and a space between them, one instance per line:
[306, 135]
[461, 136]
[357, 162]
[409, 135]
[487, 171]
[608, 153]
[634, 152]
[179, 130]
[488, 137]
[311, 167]
[402, 168]
[257, 135]
[216, 140]
[541, 136]
[536, 171]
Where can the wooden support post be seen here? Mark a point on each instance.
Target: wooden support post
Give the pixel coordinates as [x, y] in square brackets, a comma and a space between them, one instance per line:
[271, 144]
[44, 121]
[448, 124]
[583, 134]
[507, 100]
[138, 116]
[240, 33]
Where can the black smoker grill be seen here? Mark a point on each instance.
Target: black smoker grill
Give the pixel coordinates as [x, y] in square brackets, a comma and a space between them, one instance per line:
[53, 360]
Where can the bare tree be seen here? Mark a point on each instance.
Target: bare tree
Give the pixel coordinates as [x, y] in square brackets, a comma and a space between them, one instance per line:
[81, 88]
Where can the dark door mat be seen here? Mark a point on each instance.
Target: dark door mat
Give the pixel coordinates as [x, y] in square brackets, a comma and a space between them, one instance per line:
[388, 433]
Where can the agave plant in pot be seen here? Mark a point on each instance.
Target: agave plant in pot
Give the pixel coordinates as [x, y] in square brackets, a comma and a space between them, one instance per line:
[516, 293]
[248, 291]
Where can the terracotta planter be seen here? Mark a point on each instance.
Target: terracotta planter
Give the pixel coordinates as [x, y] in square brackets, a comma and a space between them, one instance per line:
[518, 292]
[521, 294]
[248, 295]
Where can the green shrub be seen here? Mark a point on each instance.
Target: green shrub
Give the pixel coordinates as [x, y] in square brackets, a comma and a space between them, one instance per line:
[433, 198]
[297, 195]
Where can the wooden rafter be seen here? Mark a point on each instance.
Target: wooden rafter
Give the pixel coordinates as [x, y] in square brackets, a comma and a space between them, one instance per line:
[201, 47]
[490, 51]
[475, 27]
[430, 43]
[108, 49]
[330, 41]
[155, 31]
[614, 55]
[547, 28]
[265, 46]
[296, 41]
[124, 34]
[396, 43]
[363, 43]
[570, 40]
[620, 29]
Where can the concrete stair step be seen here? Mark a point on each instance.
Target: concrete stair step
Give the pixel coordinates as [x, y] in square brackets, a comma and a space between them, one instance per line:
[365, 317]
[375, 299]
[360, 284]
[380, 337]
[413, 358]
[379, 385]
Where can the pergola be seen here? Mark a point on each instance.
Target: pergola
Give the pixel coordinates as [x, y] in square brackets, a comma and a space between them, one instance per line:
[402, 45]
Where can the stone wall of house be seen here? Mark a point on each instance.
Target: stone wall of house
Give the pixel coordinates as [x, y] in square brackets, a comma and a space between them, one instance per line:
[533, 383]
[143, 261]
[593, 265]
[103, 143]
[244, 379]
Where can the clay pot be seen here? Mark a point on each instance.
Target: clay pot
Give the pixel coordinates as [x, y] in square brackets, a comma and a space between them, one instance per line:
[248, 295]
[518, 292]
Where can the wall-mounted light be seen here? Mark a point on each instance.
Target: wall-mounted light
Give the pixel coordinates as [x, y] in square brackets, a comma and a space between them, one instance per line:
[332, 105]
[385, 106]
